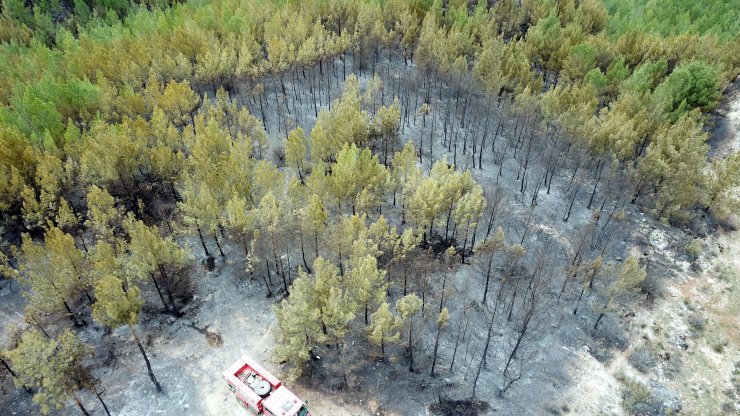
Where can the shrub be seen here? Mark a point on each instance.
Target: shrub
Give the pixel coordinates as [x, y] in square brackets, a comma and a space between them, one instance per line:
[652, 286]
[279, 153]
[726, 272]
[642, 359]
[635, 395]
[611, 334]
[696, 323]
[718, 344]
[695, 248]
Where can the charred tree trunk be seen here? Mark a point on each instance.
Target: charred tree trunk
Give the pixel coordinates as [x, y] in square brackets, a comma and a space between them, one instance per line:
[105, 407]
[570, 206]
[146, 360]
[436, 349]
[460, 332]
[159, 292]
[411, 345]
[71, 315]
[80, 406]
[203, 242]
[218, 244]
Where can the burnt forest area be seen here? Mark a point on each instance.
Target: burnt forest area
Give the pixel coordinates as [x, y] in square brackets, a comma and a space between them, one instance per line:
[388, 229]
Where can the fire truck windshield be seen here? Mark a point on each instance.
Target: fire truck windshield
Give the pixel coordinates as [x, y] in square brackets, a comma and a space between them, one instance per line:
[303, 412]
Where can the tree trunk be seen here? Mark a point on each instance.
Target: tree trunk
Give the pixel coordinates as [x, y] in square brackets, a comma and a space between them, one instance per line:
[485, 351]
[71, 314]
[7, 367]
[382, 346]
[303, 253]
[277, 266]
[578, 303]
[218, 244]
[269, 275]
[454, 350]
[168, 290]
[262, 111]
[515, 349]
[578, 164]
[159, 292]
[447, 224]
[13, 374]
[601, 315]
[146, 360]
[442, 294]
[82, 240]
[570, 207]
[405, 278]
[267, 284]
[599, 169]
[411, 348]
[79, 404]
[100, 399]
[596, 325]
[488, 278]
[202, 241]
[436, 349]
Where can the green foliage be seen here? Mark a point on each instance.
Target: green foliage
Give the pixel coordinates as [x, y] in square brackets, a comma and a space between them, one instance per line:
[113, 67]
[149, 252]
[581, 59]
[300, 317]
[689, 86]
[408, 306]
[366, 283]
[720, 195]
[55, 272]
[109, 106]
[52, 366]
[355, 171]
[443, 319]
[622, 284]
[674, 162]
[344, 124]
[634, 393]
[597, 79]
[104, 218]
[716, 17]
[296, 150]
[646, 77]
[298, 327]
[695, 248]
[47, 105]
[16, 9]
[115, 306]
[383, 328]
[445, 190]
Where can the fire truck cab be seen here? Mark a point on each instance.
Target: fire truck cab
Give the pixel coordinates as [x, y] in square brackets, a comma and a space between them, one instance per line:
[260, 392]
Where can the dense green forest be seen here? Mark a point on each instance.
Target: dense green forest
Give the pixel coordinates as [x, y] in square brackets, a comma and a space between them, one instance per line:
[665, 17]
[128, 127]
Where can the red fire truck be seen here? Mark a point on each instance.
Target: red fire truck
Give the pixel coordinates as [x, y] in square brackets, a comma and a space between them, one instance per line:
[261, 392]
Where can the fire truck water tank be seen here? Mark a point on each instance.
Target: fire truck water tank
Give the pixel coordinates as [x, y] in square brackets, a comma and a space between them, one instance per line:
[262, 388]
